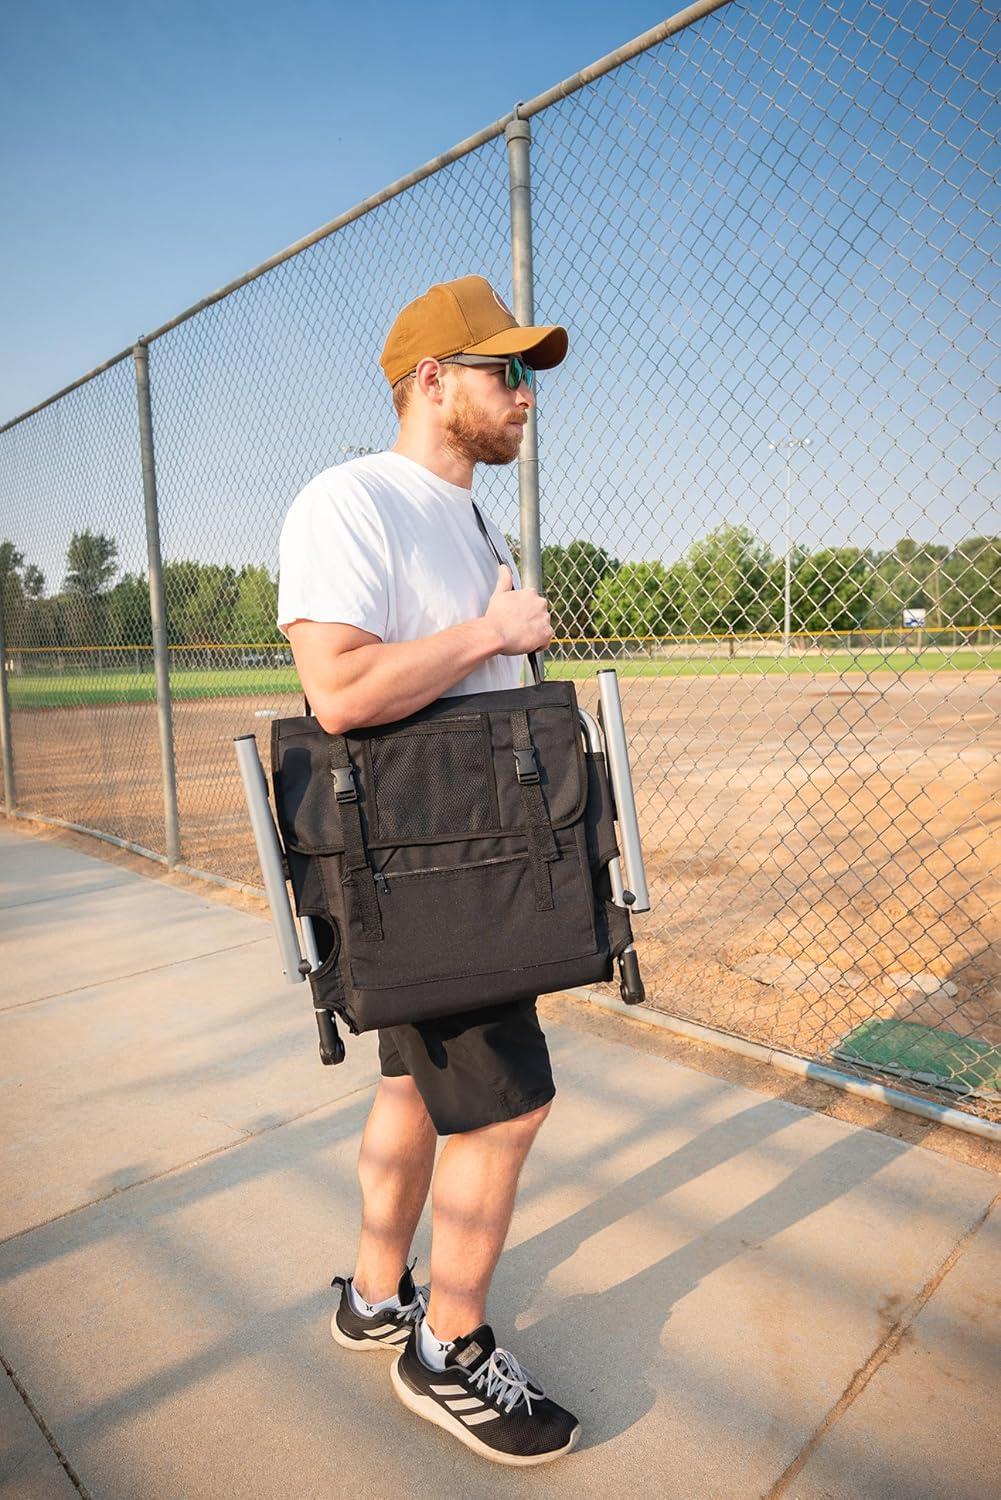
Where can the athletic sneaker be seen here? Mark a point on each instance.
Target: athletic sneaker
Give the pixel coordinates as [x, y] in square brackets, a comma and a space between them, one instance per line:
[485, 1399]
[388, 1327]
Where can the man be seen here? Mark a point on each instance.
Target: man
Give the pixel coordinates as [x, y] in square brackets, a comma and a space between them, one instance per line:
[391, 599]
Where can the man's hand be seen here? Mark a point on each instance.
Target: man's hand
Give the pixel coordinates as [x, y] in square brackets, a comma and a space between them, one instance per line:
[351, 678]
[519, 616]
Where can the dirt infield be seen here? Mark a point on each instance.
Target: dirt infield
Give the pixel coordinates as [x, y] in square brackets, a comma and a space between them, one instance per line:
[821, 849]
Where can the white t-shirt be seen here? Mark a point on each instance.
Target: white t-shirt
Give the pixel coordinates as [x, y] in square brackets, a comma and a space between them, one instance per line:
[384, 544]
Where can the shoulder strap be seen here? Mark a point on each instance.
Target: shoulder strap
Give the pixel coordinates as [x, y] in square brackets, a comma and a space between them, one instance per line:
[534, 657]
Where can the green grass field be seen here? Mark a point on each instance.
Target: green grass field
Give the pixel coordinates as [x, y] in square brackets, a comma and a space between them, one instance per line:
[84, 688]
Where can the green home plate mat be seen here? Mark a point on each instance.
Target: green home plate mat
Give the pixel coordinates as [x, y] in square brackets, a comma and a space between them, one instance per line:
[940, 1058]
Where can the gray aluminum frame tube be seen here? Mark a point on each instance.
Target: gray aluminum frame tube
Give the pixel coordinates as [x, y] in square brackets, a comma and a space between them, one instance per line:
[518, 135]
[6, 742]
[157, 609]
[621, 776]
[269, 856]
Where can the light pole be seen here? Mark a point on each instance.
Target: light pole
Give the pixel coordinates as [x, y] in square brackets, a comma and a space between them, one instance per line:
[789, 444]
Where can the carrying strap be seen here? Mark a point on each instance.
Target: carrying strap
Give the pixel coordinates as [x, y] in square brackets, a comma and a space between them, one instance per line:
[358, 873]
[534, 657]
[542, 850]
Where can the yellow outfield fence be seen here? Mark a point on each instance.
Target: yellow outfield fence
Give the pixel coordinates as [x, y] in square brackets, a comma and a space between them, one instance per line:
[973, 635]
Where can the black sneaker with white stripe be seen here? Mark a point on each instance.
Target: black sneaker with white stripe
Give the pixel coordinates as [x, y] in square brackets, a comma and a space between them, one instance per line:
[388, 1329]
[485, 1399]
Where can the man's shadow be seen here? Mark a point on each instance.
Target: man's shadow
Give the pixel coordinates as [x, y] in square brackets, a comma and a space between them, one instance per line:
[630, 1316]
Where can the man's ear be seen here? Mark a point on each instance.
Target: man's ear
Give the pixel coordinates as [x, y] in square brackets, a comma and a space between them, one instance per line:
[427, 378]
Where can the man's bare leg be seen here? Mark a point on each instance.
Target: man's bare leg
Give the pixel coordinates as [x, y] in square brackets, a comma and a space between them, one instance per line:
[395, 1164]
[472, 1203]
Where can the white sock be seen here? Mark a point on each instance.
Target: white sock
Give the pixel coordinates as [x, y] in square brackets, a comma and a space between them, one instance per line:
[433, 1352]
[368, 1309]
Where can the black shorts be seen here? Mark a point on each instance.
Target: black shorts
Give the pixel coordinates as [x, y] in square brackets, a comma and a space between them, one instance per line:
[474, 1068]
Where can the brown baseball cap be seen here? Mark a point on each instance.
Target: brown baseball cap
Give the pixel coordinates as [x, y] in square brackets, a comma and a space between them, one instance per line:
[465, 317]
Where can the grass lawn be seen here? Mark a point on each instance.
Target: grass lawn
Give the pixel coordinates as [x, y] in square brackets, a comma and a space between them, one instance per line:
[771, 666]
[81, 688]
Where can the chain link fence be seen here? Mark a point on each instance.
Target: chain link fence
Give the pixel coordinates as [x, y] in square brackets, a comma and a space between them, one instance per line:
[767, 497]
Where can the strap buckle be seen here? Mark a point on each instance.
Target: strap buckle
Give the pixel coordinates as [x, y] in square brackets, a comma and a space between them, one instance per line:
[527, 767]
[344, 783]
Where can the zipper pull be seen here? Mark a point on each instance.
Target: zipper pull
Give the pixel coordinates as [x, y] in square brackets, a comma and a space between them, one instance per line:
[381, 882]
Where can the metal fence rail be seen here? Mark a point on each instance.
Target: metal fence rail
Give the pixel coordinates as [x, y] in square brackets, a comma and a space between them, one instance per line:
[766, 493]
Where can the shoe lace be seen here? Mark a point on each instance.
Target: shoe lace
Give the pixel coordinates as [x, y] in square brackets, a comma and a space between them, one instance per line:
[413, 1311]
[502, 1377]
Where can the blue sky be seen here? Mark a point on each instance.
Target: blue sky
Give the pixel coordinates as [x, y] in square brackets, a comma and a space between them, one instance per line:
[153, 153]
[780, 222]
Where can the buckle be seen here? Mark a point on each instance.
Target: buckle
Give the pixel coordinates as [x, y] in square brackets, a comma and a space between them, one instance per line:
[344, 784]
[527, 766]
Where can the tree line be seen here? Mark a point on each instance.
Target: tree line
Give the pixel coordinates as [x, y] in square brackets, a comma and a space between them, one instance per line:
[727, 583]
[206, 602]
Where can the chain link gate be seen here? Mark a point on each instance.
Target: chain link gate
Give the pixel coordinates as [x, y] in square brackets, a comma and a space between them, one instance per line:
[766, 496]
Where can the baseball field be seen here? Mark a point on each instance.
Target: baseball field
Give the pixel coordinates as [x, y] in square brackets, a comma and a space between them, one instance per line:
[823, 846]
[84, 687]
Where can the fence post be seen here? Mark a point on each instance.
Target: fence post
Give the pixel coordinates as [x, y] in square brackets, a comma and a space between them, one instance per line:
[6, 743]
[518, 134]
[157, 608]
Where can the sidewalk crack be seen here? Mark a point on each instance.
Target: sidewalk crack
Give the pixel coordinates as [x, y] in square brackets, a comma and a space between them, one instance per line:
[172, 963]
[46, 1432]
[879, 1356]
[90, 890]
[195, 1161]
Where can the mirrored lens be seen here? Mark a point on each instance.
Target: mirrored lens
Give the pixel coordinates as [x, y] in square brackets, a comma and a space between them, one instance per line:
[517, 371]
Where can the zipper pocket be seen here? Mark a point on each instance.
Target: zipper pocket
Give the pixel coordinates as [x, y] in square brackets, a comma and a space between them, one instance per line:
[467, 724]
[385, 882]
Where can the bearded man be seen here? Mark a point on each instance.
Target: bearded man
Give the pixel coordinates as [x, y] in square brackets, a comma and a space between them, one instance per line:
[390, 598]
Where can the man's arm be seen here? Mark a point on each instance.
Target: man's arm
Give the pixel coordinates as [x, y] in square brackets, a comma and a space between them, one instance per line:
[352, 679]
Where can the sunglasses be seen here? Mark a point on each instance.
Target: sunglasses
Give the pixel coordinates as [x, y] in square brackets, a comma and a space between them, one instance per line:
[516, 371]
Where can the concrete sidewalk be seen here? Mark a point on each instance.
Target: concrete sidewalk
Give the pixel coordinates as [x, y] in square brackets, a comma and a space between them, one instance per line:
[739, 1297]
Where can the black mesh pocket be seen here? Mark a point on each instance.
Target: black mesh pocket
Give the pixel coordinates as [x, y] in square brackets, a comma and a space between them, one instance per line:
[434, 781]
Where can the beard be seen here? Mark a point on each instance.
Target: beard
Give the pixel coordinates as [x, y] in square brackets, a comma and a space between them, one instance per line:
[472, 435]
